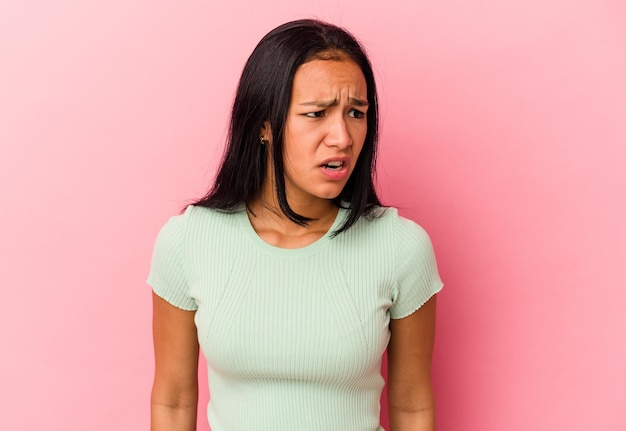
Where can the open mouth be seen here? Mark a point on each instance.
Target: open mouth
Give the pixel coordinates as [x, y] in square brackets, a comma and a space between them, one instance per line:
[334, 165]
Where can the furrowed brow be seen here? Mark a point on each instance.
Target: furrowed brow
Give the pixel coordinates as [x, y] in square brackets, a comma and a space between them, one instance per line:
[328, 103]
[321, 103]
[357, 102]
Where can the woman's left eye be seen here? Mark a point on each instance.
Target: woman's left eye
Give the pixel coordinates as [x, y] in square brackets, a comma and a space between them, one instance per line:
[355, 113]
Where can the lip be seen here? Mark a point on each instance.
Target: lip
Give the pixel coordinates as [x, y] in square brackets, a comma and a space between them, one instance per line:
[345, 160]
[336, 175]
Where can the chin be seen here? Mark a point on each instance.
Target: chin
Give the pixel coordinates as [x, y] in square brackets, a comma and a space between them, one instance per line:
[330, 194]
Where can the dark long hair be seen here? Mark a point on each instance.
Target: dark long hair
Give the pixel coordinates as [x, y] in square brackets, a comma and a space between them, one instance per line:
[264, 94]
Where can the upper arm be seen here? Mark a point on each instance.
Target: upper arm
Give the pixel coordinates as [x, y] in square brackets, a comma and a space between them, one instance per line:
[176, 354]
[409, 357]
[417, 277]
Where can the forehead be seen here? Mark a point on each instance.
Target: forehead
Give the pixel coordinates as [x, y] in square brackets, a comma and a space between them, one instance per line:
[329, 79]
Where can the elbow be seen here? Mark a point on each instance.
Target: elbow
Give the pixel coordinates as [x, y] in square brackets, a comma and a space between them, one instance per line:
[410, 410]
[173, 397]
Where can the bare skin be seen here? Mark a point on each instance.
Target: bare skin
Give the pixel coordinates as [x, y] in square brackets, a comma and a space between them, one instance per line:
[409, 391]
[324, 134]
[174, 398]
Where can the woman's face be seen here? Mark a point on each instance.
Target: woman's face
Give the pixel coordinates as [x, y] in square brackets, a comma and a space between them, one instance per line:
[325, 129]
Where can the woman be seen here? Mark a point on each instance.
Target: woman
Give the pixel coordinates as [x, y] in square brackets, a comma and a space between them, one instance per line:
[289, 273]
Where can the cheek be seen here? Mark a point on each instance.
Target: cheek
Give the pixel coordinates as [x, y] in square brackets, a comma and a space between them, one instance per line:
[294, 155]
[360, 141]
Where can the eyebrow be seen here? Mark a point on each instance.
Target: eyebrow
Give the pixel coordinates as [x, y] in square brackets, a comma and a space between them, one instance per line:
[328, 103]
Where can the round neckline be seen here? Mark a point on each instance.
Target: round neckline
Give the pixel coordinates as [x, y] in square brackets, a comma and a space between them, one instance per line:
[290, 252]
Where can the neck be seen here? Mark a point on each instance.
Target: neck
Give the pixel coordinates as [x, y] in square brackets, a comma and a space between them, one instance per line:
[321, 213]
[266, 211]
[275, 228]
[305, 205]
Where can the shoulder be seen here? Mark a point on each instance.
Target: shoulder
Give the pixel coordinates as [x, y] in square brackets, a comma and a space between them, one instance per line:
[407, 237]
[194, 216]
[172, 231]
[386, 230]
[191, 222]
[408, 229]
[389, 220]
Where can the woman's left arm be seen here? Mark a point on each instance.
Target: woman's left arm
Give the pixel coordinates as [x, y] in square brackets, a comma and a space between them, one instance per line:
[410, 397]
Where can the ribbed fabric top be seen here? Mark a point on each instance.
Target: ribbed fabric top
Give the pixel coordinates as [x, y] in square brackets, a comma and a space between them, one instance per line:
[293, 337]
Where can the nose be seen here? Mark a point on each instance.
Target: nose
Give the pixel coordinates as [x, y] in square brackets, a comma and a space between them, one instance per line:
[338, 134]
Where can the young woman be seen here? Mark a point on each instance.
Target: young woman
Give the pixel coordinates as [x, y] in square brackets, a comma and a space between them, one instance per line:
[290, 274]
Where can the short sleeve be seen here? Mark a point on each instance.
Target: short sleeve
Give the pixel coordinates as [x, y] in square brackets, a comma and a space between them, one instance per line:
[417, 278]
[167, 272]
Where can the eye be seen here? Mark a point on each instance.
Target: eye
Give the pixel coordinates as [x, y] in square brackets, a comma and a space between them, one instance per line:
[355, 113]
[316, 114]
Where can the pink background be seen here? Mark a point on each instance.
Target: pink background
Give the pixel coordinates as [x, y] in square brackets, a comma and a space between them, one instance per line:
[504, 132]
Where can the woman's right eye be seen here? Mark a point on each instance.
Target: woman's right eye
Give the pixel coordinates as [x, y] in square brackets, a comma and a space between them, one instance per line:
[316, 114]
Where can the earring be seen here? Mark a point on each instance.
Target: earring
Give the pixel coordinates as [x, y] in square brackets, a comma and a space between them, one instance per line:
[262, 140]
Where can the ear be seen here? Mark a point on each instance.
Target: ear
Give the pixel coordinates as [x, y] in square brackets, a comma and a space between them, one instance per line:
[266, 132]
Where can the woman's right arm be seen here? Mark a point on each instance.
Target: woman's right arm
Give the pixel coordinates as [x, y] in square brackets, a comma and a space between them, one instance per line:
[174, 400]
